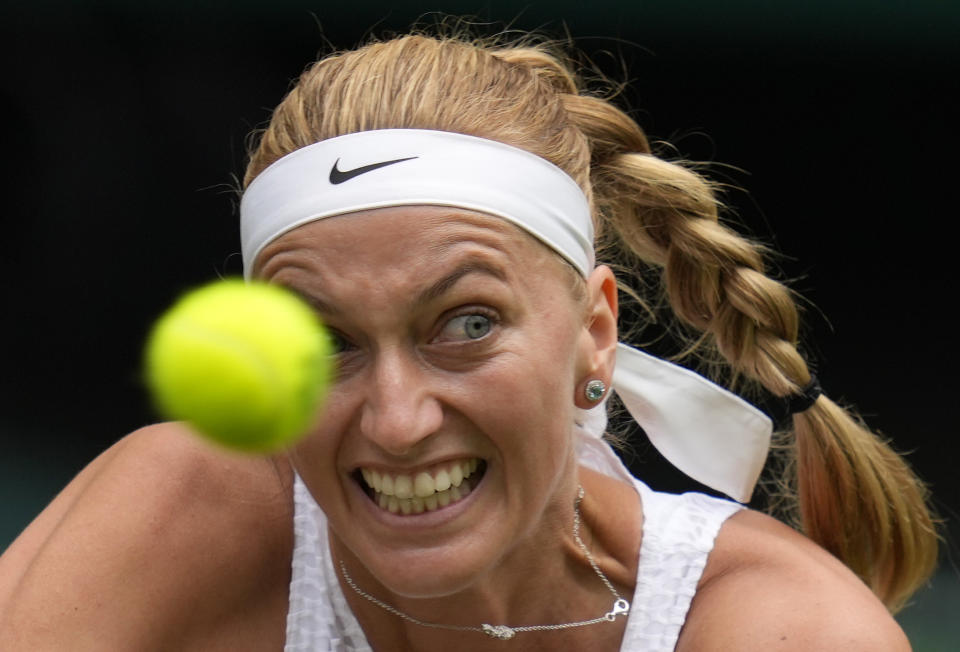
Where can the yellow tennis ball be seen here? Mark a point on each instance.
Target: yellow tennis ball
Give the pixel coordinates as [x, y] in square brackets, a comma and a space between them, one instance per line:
[246, 364]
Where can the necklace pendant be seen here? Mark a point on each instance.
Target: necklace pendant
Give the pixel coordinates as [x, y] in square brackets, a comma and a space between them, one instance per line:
[502, 632]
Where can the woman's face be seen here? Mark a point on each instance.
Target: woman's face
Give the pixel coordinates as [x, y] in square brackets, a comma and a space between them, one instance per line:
[460, 348]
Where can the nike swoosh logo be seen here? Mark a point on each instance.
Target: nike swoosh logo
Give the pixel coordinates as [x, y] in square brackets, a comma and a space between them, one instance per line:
[338, 176]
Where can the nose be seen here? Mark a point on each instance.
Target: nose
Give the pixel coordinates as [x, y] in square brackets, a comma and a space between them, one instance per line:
[400, 409]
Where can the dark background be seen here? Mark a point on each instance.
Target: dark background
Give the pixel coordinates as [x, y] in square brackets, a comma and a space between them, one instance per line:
[124, 126]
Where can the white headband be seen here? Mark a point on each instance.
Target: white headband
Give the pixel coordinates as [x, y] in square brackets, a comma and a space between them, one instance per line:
[412, 167]
[710, 434]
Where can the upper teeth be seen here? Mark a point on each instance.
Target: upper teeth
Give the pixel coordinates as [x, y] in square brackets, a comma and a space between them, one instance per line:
[423, 484]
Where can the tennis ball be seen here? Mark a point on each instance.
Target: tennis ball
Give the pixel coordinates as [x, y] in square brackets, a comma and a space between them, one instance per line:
[246, 364]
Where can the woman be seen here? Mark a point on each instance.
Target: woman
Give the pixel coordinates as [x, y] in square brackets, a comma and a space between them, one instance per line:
[437, 202]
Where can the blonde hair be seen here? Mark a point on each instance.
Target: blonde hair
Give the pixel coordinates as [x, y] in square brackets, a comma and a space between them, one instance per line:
[850, 492]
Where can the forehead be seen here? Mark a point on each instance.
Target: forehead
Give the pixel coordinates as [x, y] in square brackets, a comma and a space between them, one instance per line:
[404, 237]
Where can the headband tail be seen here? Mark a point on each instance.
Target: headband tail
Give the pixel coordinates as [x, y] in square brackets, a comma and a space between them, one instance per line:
[709, 433]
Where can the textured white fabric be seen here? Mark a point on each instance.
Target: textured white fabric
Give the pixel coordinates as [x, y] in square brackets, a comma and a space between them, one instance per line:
[678, 535]
[318, 618]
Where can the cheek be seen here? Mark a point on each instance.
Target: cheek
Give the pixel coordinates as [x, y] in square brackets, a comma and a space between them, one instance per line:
[530, 405]
[315, 456]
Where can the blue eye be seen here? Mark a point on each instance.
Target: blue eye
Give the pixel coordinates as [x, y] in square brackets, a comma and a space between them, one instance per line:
[471, 327]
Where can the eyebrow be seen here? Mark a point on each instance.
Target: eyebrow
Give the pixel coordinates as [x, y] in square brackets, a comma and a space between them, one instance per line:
[318, 304]
[444, 284]
[435, 290]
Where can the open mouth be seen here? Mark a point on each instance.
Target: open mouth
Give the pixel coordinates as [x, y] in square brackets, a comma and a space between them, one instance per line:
[425, 491]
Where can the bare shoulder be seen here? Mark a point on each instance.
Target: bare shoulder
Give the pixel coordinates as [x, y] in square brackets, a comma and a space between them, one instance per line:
[160, 543]
[767, 587]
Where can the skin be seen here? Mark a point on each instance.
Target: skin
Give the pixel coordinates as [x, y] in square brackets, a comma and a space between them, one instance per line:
[161, 543]
[165, 543]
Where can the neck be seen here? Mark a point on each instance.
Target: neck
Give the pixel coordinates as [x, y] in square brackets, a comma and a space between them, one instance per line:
[544, 579]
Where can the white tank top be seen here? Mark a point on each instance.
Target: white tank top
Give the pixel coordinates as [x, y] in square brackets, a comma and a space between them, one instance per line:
[678, 535]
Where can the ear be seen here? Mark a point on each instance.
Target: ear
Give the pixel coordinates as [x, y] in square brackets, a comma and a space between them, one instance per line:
[598, 340]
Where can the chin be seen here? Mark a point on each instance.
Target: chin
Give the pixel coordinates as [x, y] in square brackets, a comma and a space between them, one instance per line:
[422, 568]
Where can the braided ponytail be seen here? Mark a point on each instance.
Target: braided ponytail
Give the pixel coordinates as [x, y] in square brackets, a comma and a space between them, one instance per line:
[854, 495]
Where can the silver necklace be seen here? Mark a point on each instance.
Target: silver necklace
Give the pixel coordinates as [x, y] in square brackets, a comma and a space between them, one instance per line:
[504, 632]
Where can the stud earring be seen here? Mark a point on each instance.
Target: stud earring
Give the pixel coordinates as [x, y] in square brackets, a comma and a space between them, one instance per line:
[594, 390]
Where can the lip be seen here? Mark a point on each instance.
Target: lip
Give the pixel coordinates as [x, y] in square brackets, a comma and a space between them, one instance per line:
[412, 522]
